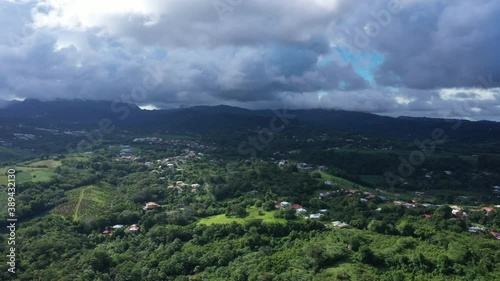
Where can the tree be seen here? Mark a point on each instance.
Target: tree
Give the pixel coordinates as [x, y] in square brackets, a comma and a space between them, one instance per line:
[404, 227]
[442, 213]
[376, 226]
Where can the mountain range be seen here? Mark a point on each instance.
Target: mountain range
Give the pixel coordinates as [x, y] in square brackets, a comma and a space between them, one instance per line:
[203, 119]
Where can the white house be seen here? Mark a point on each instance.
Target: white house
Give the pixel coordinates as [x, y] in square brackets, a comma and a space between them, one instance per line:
[314, 216]
[285, 204]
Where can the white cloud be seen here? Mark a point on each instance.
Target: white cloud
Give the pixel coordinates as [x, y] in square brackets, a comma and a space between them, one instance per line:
[463, 94]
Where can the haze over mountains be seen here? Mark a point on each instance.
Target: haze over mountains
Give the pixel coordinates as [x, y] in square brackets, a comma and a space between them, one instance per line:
[202, 119]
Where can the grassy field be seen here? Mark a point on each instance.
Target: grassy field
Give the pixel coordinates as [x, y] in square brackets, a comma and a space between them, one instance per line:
[35, 171]
[339, 181]
[85, 201]
[346, 183]
[45, 164]
[253, 213]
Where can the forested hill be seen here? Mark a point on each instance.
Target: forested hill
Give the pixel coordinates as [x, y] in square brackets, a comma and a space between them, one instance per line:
[204, 119]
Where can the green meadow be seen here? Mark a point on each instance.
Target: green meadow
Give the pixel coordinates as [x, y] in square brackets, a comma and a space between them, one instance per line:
[253, 213]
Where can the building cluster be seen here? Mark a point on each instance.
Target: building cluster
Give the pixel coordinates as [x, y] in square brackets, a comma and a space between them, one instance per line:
[24, 136]
[413, 204]
[149, 140]
[187, 143]
[287, 205]
[181, 186]
[134, 229]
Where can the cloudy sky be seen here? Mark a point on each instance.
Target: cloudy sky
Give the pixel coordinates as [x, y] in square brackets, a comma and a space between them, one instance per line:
[408, 57]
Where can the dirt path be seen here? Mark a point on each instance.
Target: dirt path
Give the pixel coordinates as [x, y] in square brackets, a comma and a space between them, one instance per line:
[77, 209]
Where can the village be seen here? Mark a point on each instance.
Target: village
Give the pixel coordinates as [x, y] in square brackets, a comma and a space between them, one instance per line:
[196, 150]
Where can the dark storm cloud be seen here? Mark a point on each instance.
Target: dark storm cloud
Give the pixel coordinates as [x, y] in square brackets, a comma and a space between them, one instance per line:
[427, 57]
[441, 44]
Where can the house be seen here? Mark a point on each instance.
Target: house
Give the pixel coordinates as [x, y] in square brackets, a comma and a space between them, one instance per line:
[496, 235]
[118, 226]
[329, 182]
[323, 210]
[301, 210]
[134, 228]
[427, 216]
[106, 232]
[282, 163]
[340, 224]
[195, 185]
[314, 216]
[297, 206]
[151, 205]
[402, 203]
[459, 213]
[180, 183]
[325, 194]
[488, 209]
[475, 229]
[285, 204]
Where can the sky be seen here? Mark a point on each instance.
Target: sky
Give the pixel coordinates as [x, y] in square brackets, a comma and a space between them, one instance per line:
[429, 58]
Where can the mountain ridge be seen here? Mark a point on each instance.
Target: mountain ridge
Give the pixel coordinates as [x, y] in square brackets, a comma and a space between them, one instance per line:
[212, 118]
